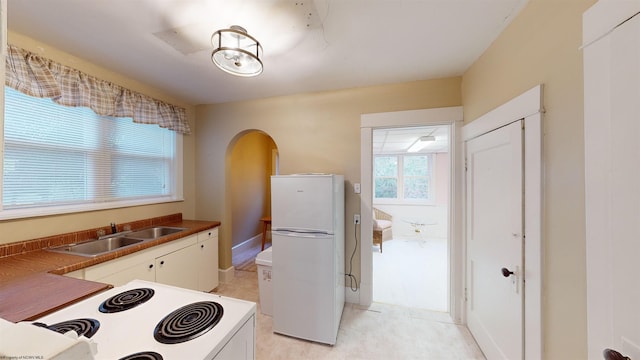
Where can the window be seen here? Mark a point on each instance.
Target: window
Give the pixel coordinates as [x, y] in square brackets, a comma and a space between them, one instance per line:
[403, 178]
[70, 159]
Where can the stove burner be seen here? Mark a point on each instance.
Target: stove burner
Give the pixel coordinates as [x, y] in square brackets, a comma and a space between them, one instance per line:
[126, 300]
[145, 355]
[83, 327]
[188, 322]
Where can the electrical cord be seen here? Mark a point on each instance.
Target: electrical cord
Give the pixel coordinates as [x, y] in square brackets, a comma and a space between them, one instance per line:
[350, 274]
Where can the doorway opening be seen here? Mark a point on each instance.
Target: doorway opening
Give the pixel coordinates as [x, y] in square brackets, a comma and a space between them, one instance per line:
[411, 176]
[252, 159]
[450, 117]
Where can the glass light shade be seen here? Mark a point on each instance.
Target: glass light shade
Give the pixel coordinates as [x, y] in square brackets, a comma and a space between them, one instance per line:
[236, 52]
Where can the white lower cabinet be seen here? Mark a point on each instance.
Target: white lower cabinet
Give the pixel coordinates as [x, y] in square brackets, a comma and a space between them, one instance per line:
[78, 274]
[177, 268]
[208, 260]
[190, 263]
[142, 271]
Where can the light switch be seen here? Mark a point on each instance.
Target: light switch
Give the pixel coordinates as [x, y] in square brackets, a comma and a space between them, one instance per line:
[356, 188]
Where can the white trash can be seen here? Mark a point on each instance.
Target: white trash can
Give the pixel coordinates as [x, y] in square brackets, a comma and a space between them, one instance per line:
[263, 261]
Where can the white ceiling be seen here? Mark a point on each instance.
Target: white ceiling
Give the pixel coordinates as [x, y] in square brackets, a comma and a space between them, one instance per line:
[398, 140]
[309, 45]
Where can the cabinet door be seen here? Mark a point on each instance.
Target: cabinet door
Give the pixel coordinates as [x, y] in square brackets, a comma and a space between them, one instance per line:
[141, 271]
[208, 261]
[177, 268]
[122, 270]
[78, 274]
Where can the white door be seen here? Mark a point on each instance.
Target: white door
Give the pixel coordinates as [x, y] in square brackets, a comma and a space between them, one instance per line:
[494, 213]
[612, 194]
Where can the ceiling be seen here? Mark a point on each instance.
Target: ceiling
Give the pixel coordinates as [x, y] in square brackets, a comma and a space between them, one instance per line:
[309, 45]
[398, 140]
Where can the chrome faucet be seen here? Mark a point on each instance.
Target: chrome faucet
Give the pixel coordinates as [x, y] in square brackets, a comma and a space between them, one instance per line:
[113, 228]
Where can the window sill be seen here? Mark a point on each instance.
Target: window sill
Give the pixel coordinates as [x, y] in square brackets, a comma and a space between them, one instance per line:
[69, 209]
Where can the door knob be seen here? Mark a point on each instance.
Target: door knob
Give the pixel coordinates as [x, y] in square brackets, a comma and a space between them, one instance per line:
[506, 272]
[610, 354]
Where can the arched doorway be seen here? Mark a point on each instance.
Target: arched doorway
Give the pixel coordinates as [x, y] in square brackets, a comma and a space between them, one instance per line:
[251, 160]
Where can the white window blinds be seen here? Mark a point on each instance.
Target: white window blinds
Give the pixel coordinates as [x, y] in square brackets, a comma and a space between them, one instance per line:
[60, 156]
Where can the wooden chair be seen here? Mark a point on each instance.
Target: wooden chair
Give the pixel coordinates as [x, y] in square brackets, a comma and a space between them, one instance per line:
[382, 222]
[266, 221]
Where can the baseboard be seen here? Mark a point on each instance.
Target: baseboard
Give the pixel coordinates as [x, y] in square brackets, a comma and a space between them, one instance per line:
[351, 296]
[226, 275]
[256, 240]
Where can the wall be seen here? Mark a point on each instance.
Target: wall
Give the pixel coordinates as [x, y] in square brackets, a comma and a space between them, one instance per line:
[250, 189]
[542, 46]
[24, 229]
[317, 132]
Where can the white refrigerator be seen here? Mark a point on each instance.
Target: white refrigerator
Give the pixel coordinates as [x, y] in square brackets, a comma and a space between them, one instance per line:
[307, 214]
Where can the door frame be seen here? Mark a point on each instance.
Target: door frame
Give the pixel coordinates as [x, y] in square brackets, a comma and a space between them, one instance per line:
[453, 117]
[527, 107]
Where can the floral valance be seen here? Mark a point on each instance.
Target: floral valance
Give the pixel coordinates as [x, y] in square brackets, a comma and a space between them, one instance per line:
[36, 76]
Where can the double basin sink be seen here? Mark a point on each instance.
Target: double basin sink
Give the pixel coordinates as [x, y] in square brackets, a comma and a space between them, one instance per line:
[109, 243]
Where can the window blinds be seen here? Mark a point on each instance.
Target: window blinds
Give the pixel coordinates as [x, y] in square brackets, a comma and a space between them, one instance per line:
[57, 155]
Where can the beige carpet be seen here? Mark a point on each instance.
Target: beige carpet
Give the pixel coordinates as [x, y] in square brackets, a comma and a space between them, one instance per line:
[412, 273]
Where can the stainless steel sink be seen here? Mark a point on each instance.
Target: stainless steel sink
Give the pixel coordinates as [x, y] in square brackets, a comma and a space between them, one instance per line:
[97, 247]
[154, 232]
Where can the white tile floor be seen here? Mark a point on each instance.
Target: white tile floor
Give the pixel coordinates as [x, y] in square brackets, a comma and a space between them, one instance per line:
[380, 332]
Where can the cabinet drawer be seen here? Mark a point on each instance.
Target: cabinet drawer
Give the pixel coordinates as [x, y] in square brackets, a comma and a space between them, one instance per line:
[207, 234]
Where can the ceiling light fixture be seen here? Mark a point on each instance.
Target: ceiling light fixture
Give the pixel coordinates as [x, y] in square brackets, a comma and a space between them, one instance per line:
[236, 52]
[420, 143]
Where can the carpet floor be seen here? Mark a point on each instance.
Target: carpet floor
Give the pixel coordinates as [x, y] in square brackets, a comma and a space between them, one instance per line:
[412, 273]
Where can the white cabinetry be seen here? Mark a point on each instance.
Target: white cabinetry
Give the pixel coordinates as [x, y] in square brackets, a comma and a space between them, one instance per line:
[190, 263]
[144, 270]
[208, 260]
[177, 268]
[78, 274]
[171, 263]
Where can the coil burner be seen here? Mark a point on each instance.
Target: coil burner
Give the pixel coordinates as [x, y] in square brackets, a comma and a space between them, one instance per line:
[188, 322]
[126, 300]
[145, 355]
[83, 327]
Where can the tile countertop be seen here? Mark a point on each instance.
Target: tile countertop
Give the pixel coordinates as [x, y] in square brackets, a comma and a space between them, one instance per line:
[31, 284]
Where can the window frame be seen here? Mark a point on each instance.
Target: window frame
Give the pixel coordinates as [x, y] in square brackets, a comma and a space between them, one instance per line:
[400, 199]
[175, 194]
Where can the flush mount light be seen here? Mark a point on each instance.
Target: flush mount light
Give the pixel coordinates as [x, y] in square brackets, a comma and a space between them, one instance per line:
[421, 143]
[236, 52]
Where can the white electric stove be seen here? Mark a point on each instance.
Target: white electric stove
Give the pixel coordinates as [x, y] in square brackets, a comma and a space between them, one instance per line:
[157, 321]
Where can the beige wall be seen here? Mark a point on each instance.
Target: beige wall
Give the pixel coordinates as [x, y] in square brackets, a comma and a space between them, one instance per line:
[318, 132]
[250, 189]
[541, 46]
[24, 229]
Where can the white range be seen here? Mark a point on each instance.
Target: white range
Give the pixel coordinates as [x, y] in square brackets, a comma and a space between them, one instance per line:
[147, 320]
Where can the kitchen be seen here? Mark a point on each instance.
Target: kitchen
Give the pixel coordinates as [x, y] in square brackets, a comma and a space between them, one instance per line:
[527, 53]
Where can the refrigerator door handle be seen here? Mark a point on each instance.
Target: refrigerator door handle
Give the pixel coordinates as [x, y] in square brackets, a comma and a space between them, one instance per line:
[301, 233]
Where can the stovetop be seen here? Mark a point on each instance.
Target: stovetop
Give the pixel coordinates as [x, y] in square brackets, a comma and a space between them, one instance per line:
[125, 332]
